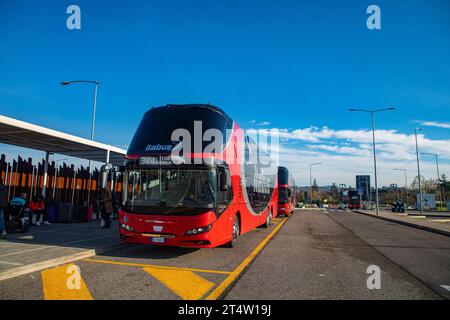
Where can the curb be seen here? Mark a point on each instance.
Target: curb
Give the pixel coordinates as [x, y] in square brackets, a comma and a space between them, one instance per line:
[41, 265]
[409, 224]
[430, 215]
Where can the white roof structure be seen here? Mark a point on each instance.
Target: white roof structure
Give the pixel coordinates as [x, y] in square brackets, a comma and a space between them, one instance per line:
[28, 135]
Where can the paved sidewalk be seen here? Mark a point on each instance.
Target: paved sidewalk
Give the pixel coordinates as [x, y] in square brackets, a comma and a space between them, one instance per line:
[48, 246]
[443, 214]
[427, 222]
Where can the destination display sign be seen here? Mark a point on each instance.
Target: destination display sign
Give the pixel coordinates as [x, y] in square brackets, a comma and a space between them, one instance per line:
[160, 160]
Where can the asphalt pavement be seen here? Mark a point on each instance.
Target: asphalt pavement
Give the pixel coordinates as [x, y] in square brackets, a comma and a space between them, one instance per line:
[325, 254]
[314, 254]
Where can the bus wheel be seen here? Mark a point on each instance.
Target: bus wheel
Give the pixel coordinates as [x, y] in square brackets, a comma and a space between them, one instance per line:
[268, 219]
[234, 233]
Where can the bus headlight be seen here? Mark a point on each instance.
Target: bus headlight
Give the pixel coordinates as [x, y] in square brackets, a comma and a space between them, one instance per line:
[127, 227]
[193, 232]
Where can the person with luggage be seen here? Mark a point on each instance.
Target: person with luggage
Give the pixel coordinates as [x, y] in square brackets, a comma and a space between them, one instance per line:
[23, 201]
[107, 207]
[3, 206]
[37, 205]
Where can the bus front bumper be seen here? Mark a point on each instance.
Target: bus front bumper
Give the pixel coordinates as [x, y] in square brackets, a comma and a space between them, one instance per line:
[202, 240]
[283, 208]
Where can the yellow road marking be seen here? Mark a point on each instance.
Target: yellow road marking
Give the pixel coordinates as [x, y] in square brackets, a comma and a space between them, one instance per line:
[155, 266]
[417, 217]
[441, 220]
[224, 285]
[64, 283]
[186, 284]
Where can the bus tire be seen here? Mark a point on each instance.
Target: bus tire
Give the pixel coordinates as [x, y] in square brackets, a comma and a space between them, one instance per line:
[268, 219]
[235, 231]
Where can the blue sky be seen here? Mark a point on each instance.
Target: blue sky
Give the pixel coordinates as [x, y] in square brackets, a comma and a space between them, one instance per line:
[292, 65]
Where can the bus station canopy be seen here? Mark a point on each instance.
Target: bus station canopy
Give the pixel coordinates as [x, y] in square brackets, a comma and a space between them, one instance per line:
[28, 135]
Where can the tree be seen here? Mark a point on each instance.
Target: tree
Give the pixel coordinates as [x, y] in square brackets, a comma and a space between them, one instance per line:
[315, 187]
[415, 182]
[334, 193]
[428, 186]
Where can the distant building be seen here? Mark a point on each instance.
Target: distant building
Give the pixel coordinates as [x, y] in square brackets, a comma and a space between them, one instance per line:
[363, 186]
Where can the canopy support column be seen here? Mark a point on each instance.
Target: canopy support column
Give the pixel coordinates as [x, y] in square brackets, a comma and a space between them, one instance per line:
[105, 171]
[44, 187]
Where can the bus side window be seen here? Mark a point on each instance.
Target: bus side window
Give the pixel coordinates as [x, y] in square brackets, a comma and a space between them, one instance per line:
[224, 190]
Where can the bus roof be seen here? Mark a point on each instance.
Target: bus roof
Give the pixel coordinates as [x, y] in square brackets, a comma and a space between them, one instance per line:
[193, 106]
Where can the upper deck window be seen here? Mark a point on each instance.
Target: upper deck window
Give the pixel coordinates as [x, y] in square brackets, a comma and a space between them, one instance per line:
[154, 134]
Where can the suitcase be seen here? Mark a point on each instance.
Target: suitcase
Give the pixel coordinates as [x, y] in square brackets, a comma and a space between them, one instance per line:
[90, 213]
[82, 214]
[53, 214]
[65, 212]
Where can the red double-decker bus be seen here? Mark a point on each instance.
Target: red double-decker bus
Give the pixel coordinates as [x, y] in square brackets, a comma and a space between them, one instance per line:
[178, 191]
[354, 200]
[286, 192]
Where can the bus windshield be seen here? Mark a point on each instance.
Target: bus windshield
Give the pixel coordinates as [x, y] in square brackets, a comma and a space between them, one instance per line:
[283, 196]
[170, 191]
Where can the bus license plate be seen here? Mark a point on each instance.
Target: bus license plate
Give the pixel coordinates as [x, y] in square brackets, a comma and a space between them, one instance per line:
[158, 240]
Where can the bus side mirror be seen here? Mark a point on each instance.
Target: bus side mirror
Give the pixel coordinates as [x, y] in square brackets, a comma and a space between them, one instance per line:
[223, 177]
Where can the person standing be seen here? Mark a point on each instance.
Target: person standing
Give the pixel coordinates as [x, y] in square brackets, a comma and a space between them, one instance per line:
[97, 205]
[3, 206]
[107, 207]
[115, 205]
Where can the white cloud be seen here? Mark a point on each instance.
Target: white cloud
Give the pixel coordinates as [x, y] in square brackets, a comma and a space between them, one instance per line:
[445, 125]
[390, 142]
[342, 150]
[262, 123]
[346, 153]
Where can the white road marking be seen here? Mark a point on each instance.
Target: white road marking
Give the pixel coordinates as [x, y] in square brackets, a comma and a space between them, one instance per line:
[30, 237]
[11, 263]
[441, 220]
[23, 251]
[445, 287]
[54, 246]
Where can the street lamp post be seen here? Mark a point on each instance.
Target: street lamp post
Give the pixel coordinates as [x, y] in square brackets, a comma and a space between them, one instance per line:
[418, 170]
[406, 186]
[65, 83]
[438, 174]
[310, 180]
[341, 193]
[372, 112]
